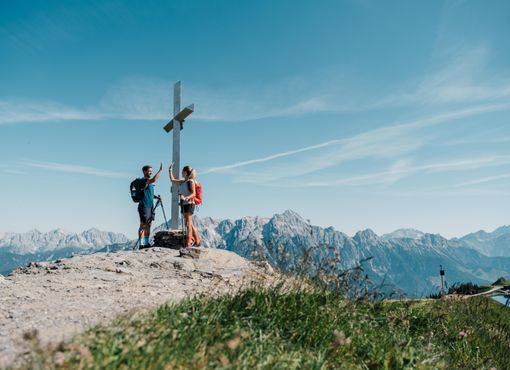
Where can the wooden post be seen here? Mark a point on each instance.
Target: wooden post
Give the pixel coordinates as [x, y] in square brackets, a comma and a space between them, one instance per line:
[176, 155]
[177, 124]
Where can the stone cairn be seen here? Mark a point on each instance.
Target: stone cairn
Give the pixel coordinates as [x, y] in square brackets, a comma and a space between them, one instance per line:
[173, 239]
[176, 239]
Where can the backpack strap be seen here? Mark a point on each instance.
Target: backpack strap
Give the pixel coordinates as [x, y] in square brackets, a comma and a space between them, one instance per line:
[189, 184]
[189, 188]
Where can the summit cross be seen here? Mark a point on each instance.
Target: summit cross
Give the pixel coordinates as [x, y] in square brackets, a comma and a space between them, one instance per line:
[177, 123]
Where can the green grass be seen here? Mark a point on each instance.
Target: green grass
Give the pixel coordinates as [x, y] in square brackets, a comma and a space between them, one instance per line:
[268, 329]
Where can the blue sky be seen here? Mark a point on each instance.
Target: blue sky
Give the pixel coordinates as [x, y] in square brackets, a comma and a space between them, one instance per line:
[357, 114]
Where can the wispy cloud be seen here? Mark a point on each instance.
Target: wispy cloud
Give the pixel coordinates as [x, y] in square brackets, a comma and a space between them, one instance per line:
[151, 99]
[468, 164]
[270, 157]
[493, 137]
[399, 170]
[156, 104]
[145, 98]
[381, 143]
[460, 76]
[11, 169]
[16, 110]
[72, 168]
[484, 180]
[14, 172]
[396, 172]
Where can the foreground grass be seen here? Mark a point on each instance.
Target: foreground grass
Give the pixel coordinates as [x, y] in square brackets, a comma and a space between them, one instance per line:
[258, 329]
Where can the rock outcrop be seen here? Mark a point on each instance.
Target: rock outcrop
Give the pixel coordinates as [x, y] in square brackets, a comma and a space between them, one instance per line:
[173, 239]
[61, 298]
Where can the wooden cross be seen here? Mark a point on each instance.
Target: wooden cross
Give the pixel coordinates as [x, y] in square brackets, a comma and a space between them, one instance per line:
[177, 122]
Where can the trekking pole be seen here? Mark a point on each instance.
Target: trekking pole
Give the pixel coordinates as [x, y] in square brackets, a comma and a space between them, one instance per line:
[163, 209]
[184, 233]
[137, 243]
[160, 203]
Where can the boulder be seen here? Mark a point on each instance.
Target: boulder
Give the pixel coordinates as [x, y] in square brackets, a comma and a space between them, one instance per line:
[193, 252]
[173, 239]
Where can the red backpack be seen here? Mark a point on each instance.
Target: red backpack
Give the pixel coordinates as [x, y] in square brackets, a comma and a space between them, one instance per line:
[198, 193]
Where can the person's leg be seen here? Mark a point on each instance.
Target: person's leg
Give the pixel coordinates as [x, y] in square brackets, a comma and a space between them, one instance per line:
[195, 234]
[141, 233]
[194, 231]
[147, 215]
[141, 229]
[189, 228]
[147, 233]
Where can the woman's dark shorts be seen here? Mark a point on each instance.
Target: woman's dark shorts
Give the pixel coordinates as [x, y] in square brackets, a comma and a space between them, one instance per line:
[188, 208]
[146, 215]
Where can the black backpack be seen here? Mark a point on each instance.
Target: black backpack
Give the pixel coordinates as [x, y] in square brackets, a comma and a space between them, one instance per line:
[137, 189]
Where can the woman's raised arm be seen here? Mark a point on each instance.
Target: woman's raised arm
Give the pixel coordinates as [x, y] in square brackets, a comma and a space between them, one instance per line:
[171, 174]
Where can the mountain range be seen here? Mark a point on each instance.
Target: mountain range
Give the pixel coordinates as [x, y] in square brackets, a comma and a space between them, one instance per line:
[407, 259]
[18, 249]
[496, 243]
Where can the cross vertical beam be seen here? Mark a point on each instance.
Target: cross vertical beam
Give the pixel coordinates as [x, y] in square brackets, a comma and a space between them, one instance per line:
[176, 155]
[177, 124]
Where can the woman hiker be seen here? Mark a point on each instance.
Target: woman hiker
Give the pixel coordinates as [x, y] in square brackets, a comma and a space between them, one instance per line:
[187, 194]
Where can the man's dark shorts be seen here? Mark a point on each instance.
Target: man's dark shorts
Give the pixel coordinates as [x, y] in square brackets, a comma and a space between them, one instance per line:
[188, 208]
[146, 215]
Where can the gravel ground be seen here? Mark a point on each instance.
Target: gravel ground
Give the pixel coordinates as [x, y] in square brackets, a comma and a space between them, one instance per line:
[55, 300]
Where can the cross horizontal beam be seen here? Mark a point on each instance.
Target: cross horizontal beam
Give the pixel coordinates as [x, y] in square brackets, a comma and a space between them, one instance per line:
[179, 117]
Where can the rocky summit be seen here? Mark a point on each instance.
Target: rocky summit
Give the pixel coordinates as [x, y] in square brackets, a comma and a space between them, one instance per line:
[51, 301]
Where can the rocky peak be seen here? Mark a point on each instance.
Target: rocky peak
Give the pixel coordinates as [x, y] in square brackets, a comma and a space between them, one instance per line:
[250, 221]
[501, 231]
[479, 235]
[292, 215]
[289, 222]
[434, 240]
[366, 236]
[92, 230]
[225, 226]
[31, 232]
[96, 236]
[404, 233]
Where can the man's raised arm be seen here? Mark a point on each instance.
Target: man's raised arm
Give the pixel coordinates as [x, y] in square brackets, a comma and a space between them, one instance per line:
[156, 176]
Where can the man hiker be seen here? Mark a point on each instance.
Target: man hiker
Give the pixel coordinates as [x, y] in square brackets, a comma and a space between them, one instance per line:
[146, 205]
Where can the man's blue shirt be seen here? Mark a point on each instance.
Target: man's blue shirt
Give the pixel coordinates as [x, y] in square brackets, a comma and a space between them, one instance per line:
[148, 198]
